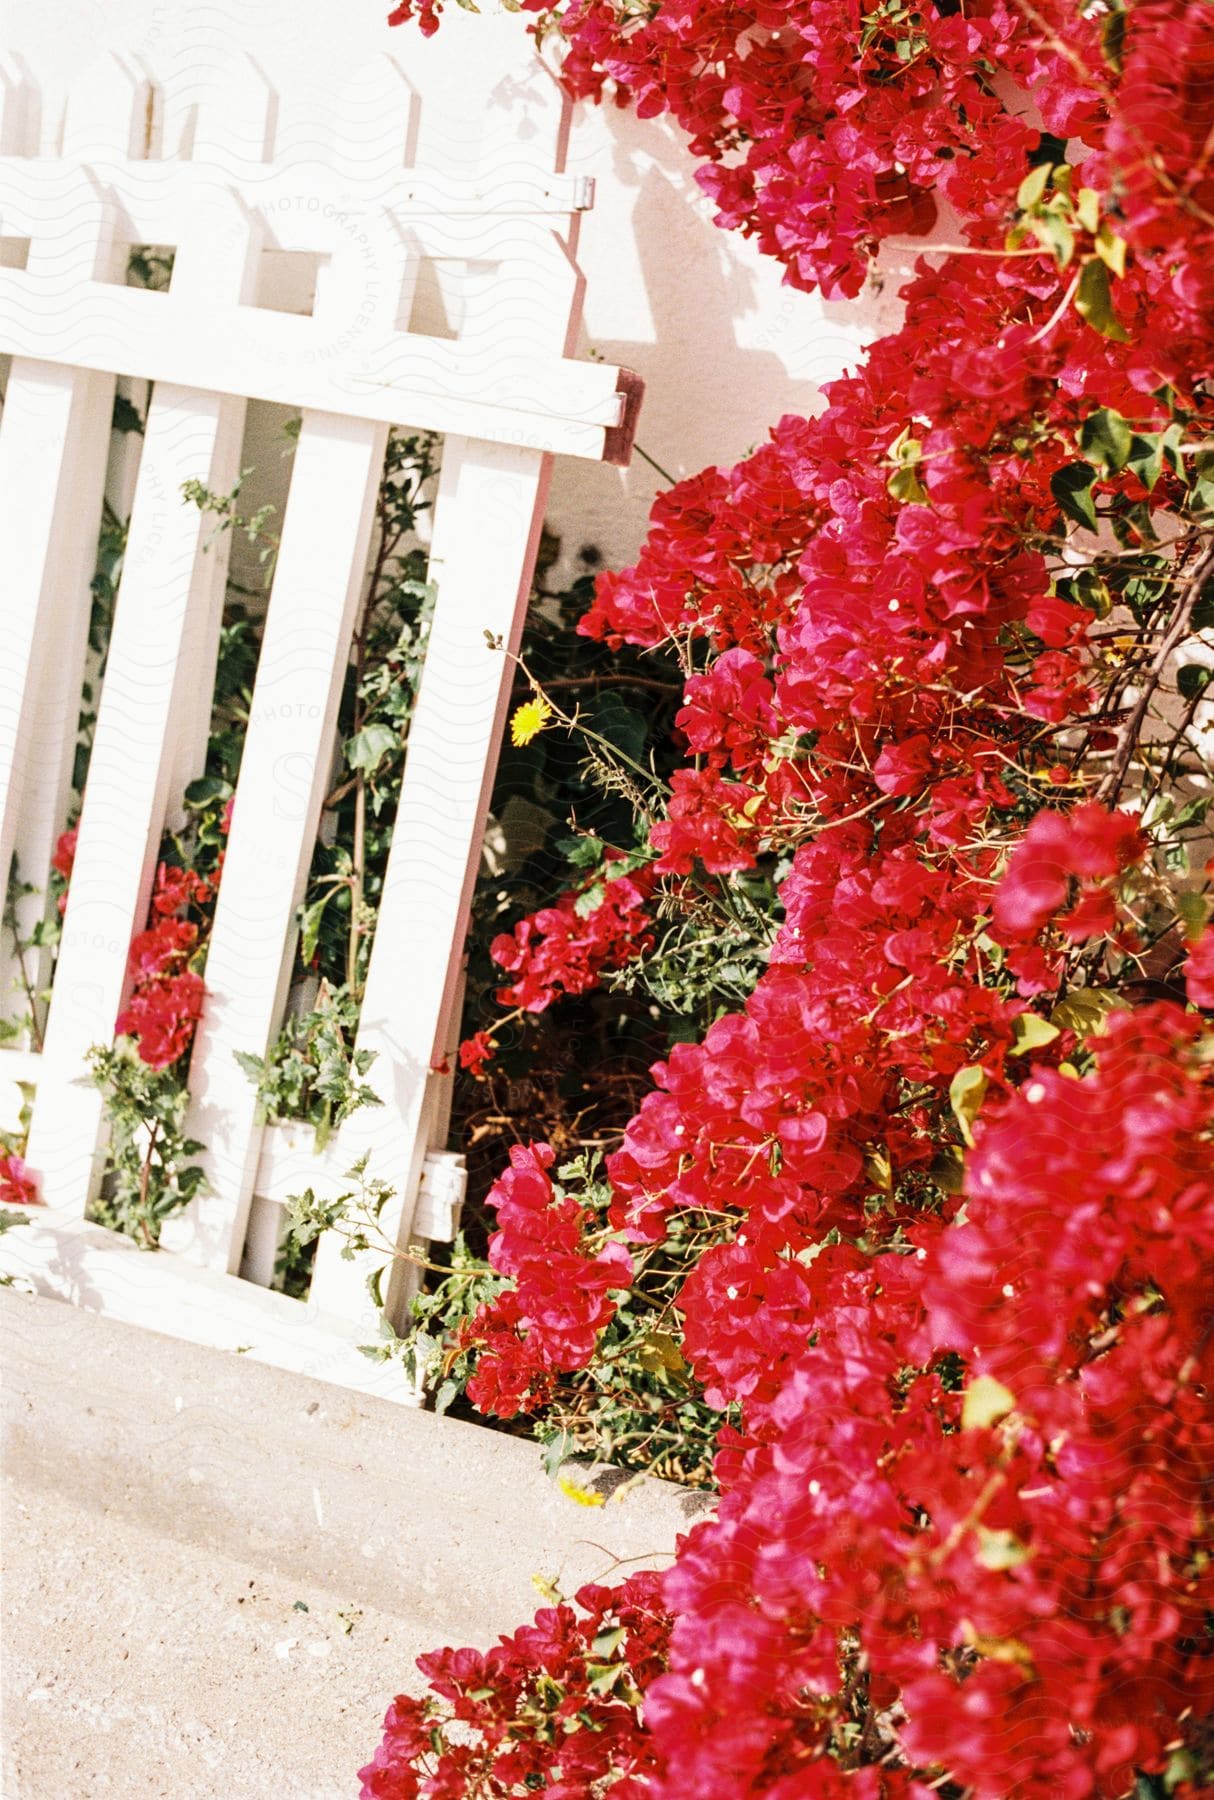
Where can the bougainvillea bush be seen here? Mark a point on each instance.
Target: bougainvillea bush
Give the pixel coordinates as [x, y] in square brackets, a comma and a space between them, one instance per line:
[945, 650]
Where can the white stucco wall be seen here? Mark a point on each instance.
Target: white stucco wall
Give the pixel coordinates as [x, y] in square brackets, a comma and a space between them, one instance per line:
[723, 346]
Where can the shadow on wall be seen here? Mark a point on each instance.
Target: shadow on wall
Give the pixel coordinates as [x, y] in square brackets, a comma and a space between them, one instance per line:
[725, 348]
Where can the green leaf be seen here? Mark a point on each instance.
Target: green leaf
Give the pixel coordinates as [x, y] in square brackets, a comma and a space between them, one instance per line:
[661, 1354]
[967, 1090]
[622, 725]
[1194, 679]
[1071, 486]
[1094, 301]
[1112, 37]
[1192, 910]
[555, 1451]
[1032, 188]
[205, 790]
[1001, 1550]
[905, 485]
[1087, 209]
[1084, 1011]
[309, 926]
[1056, 236]
[986, 1402]
[1146, 458]
[1106, 438]
[125, 417]
[589, 900]
[1030, 1032]
[1111, 249]
[947, 1169]
[602, 1677]
[368, 747]
[445, 1395]
[1087, 587]
[1194, 811]
[1181, 1768]
[582, 852]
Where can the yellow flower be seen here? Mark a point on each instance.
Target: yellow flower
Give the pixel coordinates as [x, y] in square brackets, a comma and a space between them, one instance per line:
[529, 720]
[582, 1496]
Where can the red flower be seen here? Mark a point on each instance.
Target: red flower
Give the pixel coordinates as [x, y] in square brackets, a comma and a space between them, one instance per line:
[161, 1016]
[426, 12]
[476, 1051]
[65, 852]
[167, 996]
[1088, 845]
[18, 1185]
[1199, 970]
[904, 768]
[64, 859]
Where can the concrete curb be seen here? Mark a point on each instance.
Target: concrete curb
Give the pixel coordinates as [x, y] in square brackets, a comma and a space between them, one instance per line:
[175, 1515]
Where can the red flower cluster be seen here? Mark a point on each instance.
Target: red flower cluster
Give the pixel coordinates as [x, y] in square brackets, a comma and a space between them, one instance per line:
[575, 1675]
[560, 1300]
[779, 1113]
[566, 948]
[960, 1539]
[717, 562]
[165, 1002]
[166, 999]
[986, 1475]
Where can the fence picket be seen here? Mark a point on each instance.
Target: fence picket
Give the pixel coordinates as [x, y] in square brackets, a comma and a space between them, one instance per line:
[483, 578]
[224, 109]
[150, 687]
[108, 112]
[15, 111]
[317, 587]
[374, 118]
[52, 464]
[54, 440]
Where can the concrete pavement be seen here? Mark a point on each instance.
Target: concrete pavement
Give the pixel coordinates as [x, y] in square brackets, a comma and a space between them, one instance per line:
[215, 1575]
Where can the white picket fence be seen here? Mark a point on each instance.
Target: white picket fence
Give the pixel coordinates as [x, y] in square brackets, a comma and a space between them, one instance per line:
[493, 227]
